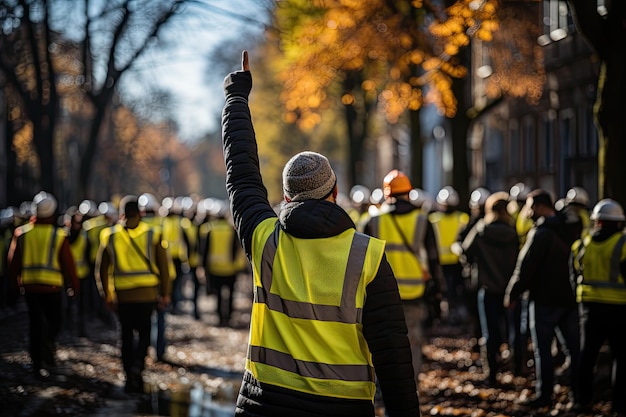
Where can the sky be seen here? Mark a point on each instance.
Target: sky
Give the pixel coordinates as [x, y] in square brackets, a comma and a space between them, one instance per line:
[185, 69]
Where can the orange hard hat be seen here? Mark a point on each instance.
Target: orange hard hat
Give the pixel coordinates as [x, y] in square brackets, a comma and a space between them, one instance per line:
[396, 182]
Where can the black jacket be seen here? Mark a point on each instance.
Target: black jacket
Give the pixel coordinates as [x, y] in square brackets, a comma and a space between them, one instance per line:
[383, 319]
[543, 265]
[493, 248]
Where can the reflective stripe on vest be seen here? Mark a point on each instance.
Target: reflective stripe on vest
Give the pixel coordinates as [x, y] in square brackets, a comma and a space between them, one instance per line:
[306, 319]
[41, 244]
[130, 268]
[602, 280]
[407, 264]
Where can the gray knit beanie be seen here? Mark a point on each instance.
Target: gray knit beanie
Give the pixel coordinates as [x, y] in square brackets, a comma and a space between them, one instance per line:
[308, 176]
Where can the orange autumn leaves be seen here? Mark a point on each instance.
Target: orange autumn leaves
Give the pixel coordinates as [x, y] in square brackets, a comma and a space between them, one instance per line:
[407, 52]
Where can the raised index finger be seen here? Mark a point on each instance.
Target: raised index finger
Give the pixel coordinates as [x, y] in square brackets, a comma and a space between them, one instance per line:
[244, 61]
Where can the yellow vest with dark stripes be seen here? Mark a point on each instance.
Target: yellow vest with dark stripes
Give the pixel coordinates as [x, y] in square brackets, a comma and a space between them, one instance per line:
[447, 227]
[79, 252]
[40, 244]
[306, 328]
[409, 264]
[133, 266]
[221, 261]
[600, 261]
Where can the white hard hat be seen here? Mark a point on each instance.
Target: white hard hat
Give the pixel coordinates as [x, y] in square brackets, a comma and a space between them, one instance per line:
[420, 198]
[478, 197]
[88, 208]
[45, 203]
[577, 195]
[519, 191]
[360, 194]
[448, 196]
[148, 202]
[377, 196]
[608, 209]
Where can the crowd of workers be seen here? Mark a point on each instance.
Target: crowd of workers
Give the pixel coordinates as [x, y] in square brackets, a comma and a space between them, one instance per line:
[130, 257]
[343, 287]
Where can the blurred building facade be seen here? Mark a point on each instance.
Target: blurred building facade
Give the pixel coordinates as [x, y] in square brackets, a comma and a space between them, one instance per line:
[553, 144]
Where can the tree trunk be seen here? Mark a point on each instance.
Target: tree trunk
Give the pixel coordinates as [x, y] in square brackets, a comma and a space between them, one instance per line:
[417, 150]
[608, 38]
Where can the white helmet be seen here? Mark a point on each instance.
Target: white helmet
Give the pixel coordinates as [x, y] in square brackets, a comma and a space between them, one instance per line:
[88, 208]
[448, 196]
[421, 199]
[577, 195]
[478, 197]
[360, 194]
[148, 202]
[519, 192]
[45, 203]
[608, 209]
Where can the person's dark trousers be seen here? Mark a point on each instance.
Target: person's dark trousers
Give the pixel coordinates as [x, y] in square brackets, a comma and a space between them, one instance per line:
[160, 342]
[543, 320]
[135, 317]
[455, 292]
[493, 321]
[196, 292]
[601, 323]
[45, 311]
[177, 284]
[224, 301]
[518, 338]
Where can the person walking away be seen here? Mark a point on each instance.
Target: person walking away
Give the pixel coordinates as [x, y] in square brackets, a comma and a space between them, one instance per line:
[411, 250]
[78, 246]
[173, 232]
[492, 247]
[326, 312]
[133, 275]
[601, 260]
[40, 261]
[542, 269]
[223, 259]
[448, 222]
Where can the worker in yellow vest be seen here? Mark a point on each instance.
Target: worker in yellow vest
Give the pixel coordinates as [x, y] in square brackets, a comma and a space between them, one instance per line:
[448, 223]
[600, 259]
[223, 259]
[578, 199]
[327, 314]
[412, 253]
[134, 277]
[174, 225]
[78, 246]
[40, 261]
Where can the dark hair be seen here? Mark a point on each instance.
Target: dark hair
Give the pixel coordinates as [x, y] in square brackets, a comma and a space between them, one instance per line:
[541, 197]
[129, 206]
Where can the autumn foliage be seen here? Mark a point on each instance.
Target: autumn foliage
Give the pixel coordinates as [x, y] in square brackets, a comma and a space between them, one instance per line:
[406, 51]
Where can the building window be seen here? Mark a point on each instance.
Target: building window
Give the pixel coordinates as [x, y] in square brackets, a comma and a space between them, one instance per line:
[546, 142]
[567, 133]
[528, 143]
[588, 140]
[514, 147]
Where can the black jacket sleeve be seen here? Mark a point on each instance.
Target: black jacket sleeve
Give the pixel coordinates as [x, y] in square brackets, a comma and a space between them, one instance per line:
[246, 192]
[385, 330]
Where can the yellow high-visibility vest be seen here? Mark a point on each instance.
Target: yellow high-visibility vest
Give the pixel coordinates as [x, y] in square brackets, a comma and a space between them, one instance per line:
[600, 262]
[409, 264]
[221, 261]
[133, 266]
[78, 248]
[447, 227]
[306, 331]
[40, 244]
[173, 234]
[93, 227]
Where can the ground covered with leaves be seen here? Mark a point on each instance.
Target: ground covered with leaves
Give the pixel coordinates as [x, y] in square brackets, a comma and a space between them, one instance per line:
[204, 364]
